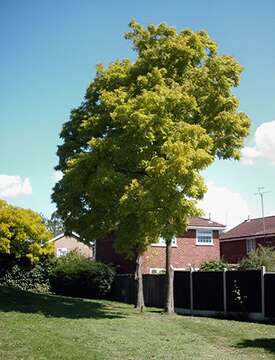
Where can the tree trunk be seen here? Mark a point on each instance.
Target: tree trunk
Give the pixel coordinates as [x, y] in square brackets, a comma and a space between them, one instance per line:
[138, 277]
[169, 296]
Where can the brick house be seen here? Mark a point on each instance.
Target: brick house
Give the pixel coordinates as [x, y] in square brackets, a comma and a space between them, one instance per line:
[66, 243]
[246, 237]
[198, 244]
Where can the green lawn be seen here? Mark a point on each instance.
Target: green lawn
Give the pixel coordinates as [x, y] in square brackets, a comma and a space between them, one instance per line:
[36, 327]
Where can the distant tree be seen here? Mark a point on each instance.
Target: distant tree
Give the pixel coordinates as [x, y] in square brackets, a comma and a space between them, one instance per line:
[23, 234]
[54, 224]
[133, 151]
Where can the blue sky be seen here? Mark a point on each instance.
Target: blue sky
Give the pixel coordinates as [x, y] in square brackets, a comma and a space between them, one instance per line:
[49, 50]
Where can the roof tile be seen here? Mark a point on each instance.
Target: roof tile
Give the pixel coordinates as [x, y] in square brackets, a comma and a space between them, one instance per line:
[251, 227]
[199, 221]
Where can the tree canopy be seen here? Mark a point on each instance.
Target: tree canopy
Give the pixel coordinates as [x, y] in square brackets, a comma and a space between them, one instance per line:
[132, 152]
[22, 233]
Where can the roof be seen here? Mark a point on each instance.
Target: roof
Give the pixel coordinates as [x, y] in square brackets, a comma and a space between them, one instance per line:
[59, 236]
[199, 222]
[250, 228]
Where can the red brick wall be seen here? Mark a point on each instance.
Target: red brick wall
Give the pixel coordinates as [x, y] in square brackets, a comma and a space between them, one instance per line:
[105, 252]
[269, 241]
[233, 251]
[185, 254]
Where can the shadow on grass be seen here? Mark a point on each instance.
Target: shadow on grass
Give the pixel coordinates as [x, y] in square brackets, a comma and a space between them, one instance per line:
[267, 344]
[55, 306]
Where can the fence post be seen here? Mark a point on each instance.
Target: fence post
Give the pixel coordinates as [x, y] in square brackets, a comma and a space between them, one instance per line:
[191, 291]
[224, 291]
[263, 290]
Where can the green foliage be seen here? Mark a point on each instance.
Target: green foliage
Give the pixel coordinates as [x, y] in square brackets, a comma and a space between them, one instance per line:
[263, 256]
[132, 152]
[75, 275]
[34, 278]
[23, 234]
[54, 224]
[214, 265]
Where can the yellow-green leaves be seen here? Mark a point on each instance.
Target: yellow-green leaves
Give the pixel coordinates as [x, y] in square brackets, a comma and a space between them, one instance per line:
[133, 151]
[22, 233]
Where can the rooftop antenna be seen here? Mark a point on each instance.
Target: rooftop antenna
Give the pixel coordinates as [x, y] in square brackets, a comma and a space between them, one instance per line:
[261, 194]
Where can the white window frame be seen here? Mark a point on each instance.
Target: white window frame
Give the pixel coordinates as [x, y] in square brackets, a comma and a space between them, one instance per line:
[157, 271]
[162, 242]
[250, 246]
[201, 243]
[63, 250]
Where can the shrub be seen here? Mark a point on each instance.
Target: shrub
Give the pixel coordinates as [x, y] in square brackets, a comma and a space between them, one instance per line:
[214, 265]
[27, 278]
[75, 275]
[263, 256]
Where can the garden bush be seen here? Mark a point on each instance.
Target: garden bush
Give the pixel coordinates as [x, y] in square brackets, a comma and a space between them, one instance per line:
[75, 275]
[214, 265]
[263, 256]
[34, 278]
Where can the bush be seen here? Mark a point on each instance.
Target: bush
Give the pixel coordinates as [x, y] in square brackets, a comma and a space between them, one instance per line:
[27, 278]
[214, 265]
[263, 256]
[75, 275]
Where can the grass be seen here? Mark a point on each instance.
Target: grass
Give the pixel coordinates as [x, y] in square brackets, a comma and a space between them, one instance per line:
[39, 327]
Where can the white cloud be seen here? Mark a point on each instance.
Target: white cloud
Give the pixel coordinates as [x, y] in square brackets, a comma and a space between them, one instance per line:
[12, 186]
[226, 206]
[57, 175]
[264, 147]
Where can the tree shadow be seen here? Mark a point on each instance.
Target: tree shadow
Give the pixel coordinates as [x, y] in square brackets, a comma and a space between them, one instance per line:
[56, 306]
[268, 344]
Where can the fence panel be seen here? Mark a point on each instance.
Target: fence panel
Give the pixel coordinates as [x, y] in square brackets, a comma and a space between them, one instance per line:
[124, 289]
[182, 289]
[243, 290]
[269, 280]
[154, 290]
[208, 290]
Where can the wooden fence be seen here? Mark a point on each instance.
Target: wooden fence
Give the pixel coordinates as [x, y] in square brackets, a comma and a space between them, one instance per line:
[251, 293]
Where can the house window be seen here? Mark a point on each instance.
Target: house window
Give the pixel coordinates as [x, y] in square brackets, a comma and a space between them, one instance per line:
[204, 237]
[61, 251]
[162, 242]
[250, 246]
[156, 271]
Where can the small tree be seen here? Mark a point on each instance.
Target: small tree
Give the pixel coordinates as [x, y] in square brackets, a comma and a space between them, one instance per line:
[22, 233]
[133, 151]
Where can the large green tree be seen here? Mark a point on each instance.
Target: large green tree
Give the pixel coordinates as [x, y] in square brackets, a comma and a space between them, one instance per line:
[132, 152]
[23, 234]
